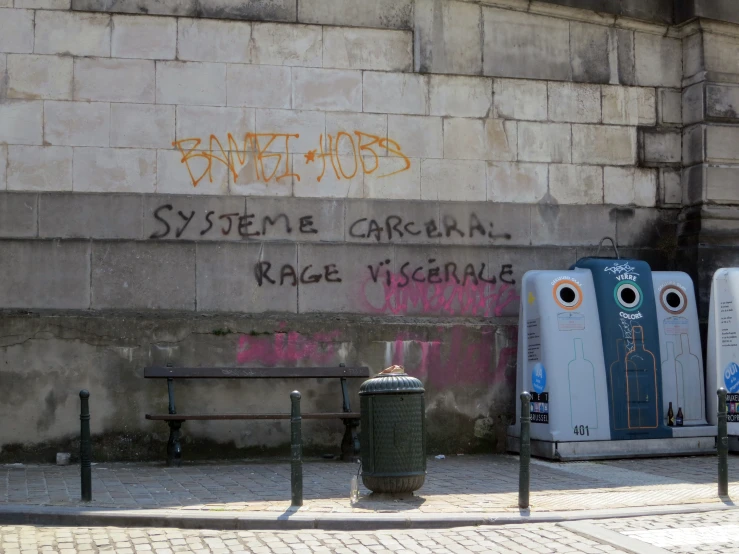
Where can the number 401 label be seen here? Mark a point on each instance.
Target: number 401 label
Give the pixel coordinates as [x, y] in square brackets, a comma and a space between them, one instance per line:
[583, 430]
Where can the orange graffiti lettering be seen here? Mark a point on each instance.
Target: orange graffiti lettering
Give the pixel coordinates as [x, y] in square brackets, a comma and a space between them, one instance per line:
[364, 147]
[236, 156]
[274, 165]
[394, 148]
[354, 150]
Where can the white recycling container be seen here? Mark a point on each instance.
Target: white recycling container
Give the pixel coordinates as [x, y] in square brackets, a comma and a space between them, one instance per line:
[683, 377]
[560, 360]
[723, 349]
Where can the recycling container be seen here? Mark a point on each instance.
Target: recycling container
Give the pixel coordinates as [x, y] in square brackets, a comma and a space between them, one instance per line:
[629, 327]
[560, 359]
[683, 376]
[393, 444]
[723, 349]
[607, 349]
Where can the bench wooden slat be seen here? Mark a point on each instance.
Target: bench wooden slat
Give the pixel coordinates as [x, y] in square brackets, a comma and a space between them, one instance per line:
[161, 372]
[349, 443]
[204, 417]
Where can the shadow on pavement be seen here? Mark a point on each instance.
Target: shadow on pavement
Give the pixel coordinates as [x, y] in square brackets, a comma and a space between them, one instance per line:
[462, 483]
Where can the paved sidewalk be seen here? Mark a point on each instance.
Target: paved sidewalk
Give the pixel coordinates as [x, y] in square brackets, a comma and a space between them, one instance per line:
[456, 487]
[684, 534]
[666, 534]
[529, 539]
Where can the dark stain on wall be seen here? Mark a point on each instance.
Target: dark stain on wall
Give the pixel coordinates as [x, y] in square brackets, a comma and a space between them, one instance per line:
[48, 413]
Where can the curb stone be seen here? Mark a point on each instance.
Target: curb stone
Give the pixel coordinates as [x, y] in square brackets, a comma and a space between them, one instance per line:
[23, 514]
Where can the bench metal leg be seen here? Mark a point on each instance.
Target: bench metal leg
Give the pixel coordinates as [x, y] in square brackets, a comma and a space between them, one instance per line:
[350, 442]
[174, 448]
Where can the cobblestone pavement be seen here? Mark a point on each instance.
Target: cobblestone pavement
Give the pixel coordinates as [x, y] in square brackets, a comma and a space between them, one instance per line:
[458, 484]
[678, 534]
[682, 534]
[510, 539]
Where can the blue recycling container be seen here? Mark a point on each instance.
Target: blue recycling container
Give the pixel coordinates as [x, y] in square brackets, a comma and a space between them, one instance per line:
[631, 346]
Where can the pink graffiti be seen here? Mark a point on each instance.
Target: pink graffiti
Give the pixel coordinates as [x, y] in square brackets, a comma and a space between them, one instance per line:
[505, 371]
[288, 349]
[404, 352]
[395, 295]
[463, 359]
[469, 361]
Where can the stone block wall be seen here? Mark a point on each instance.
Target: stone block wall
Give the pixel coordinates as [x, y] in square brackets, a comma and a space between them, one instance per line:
[249, 108]
[708, 228]
[369, 180]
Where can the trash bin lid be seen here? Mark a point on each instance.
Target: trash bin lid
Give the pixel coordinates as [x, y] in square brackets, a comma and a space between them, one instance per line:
[392, 383]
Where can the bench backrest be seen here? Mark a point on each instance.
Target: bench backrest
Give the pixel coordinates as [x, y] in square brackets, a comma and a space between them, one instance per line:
[160, 372]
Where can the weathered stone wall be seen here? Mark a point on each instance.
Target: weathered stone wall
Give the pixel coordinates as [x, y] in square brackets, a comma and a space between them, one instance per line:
[333, 181]
[52, 357]
[708, 230]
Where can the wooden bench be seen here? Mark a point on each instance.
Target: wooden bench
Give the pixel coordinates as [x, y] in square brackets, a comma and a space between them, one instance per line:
[349, 444]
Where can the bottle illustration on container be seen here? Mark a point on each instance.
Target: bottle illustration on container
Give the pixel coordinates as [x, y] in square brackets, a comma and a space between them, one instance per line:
[680, 417]
[670, 416]
[641, 383]
[690, 388]
[617, 378]
[669, 376]
[583, 405]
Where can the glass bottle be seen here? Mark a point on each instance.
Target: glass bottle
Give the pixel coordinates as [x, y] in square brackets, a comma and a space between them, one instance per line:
[641, 372]
[670, 416]
[617, 378]
[679, 419]
[354, 490]
[583, 406]
[691, 387]
[669, 377]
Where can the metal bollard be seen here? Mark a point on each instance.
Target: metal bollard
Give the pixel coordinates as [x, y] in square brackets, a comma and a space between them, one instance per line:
[85, 447]
[723, 445]
[296, 449]
[524, 474]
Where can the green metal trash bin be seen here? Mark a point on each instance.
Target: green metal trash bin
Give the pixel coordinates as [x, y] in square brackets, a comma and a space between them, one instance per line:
[393, 444]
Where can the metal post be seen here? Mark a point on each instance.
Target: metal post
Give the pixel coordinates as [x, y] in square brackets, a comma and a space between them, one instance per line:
[85, 447]
[174, 448]
[524, 474]
[296, 447]
[723, 445]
